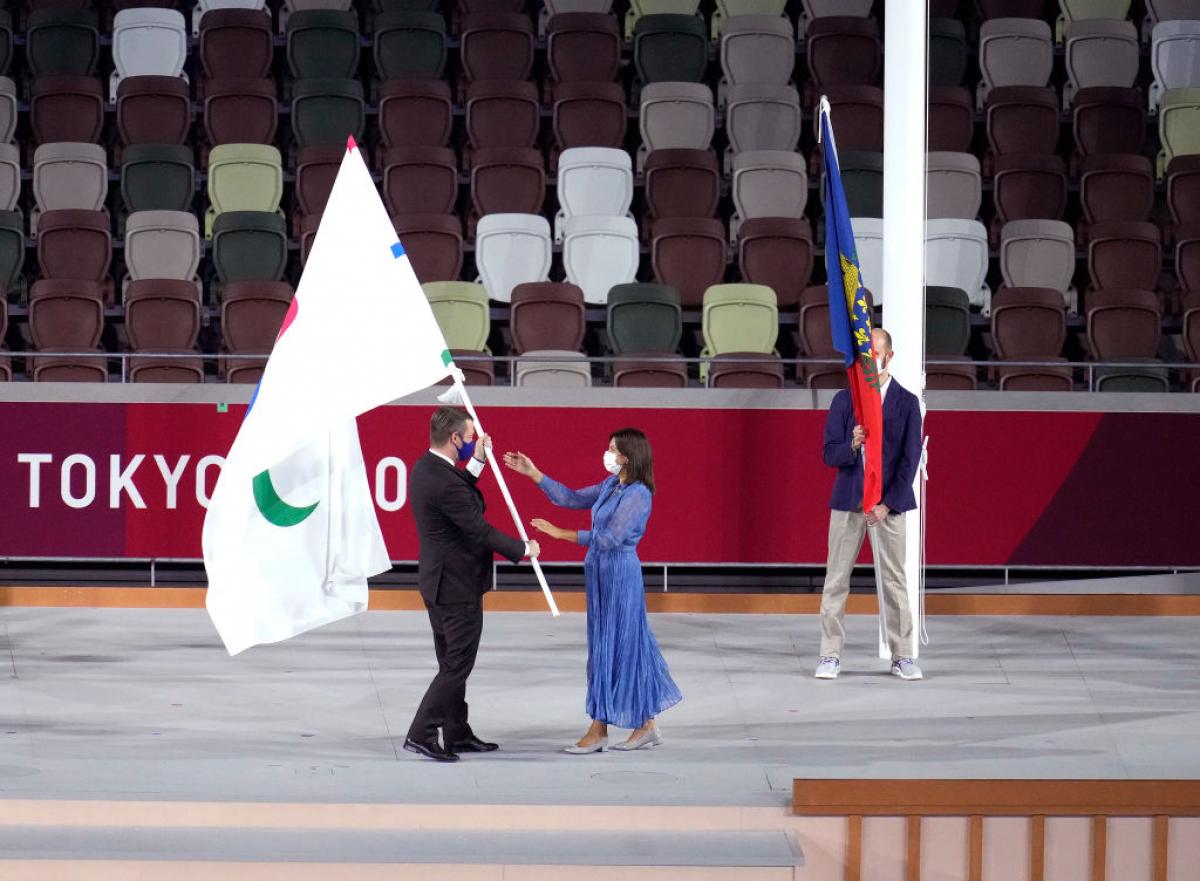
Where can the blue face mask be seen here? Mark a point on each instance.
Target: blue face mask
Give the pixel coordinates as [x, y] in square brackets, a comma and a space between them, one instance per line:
[466, 451]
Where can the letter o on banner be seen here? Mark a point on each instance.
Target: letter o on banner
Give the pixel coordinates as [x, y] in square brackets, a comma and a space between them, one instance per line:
[89, 480]
[203, 496]
[386, 465]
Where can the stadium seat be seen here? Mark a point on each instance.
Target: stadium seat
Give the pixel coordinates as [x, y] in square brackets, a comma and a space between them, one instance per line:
[862, 181]
[589, 115]
[947, 52]
[1050, 374]
[147, 42]
[1116, 187]
[415, 113]
[599, 252]
[157, 177]
[565, 370]
[236, 43]
[316, 170]
[12, 249]
[290, 6]
[1022, 119]
[859, 114]
[62, 42]
[1100, 53]
[1028, 323]
[670, 48]
[1183, 189]
[1038, 254]
[656, 371]
[547, 315]
[1174, 58]
[8, 109]
[74, 243]
[844, 50]
[638, 8]
[947, 321]
[1014, 52]
[951, 120]
[1168, 10]
[496, 46]
[69, 175]
[434, 244]
[956, 256]
[761, 116]
[410, 44]
[1106, 120]
[10, 178]
[681, 183]
[757, 49]
[502, 113]
[593, 181]
[251, 315]
[1071, 11]
[744, 370]
[953, 185]
[154, 110]
[767, 183]
[644, 318]
[162, 244]
[688, 254]
[327, 111]
[1148, 379]
[583, 47]
[244, 177]
[249, 246]
[956, 376]
[811, 9]
[240, 111]
[507, 180]
[322, 44]
[739, 318]
[727, 10]
[163, 315]
[66, 313]
[816, 341]
[66, 108]
[675, 115]
[511, 249]
[203, 7]
[1191, 334]
[6, 55]
[776, 252]
[415, 179]
[1123, 324]
[1178, 125]
[1028, 186]
[868, 242]
[1187, 257]
[461, 310]
[1124, 254]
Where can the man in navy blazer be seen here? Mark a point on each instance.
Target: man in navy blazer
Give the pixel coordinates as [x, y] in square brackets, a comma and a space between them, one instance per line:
[848, 524]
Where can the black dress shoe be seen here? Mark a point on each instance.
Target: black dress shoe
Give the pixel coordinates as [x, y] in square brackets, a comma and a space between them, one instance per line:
[473, 744]
[430, 751]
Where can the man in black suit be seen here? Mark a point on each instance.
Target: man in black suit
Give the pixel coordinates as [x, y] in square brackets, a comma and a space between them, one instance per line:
[454, 571]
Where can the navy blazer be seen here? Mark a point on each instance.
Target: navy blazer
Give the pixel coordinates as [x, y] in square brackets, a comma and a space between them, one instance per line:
[901, 450]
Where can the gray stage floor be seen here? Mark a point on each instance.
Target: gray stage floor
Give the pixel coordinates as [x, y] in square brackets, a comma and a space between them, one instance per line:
[135, 704]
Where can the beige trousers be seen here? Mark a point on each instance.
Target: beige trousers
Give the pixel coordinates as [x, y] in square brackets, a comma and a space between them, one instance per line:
[846, 532]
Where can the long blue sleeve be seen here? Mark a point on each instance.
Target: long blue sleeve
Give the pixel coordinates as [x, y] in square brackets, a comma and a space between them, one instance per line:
[569, 498]
[839, 429]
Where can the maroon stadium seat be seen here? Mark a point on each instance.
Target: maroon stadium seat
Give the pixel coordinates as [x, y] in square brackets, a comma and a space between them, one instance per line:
[958, 377]
[68, 368]
[1028, 187]
[507, 180]
[1191, 333]
[309, 224]
[163, 315]
[746, 370]
[420, 180]
[240, 111]
[66, 313]
[66, 108]
[1046, 375]
[236, 43]
[1028, 323]
[859, 114]
[153, 110]
[843, 51]
[251, 315]
[630, 371]
[1124, 254]
[415, 113]
[1123, 324]
[1183, 189]
[1109, 120]
[547, 315]
[75, 244]
[682, 183]
[777, 252]
[1116, 187]
[951, 119]
[688, 253]
[503, 113]
[1187, 257]
[496, 46]
[589, 115]
[434, 244]
[1022, 119]
[583, 47]
[316, 170]
[816, 340]
[476, 371]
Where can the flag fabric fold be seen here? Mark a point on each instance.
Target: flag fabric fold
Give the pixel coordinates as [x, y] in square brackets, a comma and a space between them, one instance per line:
[850, 315]
[291, 534]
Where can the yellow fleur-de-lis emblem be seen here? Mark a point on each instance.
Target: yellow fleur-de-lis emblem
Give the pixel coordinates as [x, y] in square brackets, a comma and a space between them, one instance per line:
[850, 280]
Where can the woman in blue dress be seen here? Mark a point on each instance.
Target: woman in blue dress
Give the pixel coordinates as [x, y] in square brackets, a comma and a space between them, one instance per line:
[628, 680]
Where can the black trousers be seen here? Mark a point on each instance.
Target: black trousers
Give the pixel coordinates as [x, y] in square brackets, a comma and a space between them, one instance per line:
[456, 631]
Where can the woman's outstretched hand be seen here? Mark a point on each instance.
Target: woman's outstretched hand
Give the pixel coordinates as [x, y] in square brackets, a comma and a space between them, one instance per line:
[547, 527]
[522, 464]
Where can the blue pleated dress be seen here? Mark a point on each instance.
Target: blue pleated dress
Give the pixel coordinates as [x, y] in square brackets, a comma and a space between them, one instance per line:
[628, 679]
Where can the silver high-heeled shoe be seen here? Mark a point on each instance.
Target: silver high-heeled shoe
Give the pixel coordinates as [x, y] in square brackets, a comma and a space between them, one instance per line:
[650, 739]
[598, 747]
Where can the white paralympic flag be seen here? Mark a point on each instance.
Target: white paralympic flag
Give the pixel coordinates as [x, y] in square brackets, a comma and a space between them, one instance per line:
[291, 534]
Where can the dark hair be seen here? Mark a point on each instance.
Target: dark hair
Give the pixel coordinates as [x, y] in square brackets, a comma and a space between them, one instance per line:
[633, 445]
[444, 422]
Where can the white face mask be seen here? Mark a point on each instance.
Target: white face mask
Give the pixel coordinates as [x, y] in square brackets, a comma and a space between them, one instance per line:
[880, 366]
[610, 462]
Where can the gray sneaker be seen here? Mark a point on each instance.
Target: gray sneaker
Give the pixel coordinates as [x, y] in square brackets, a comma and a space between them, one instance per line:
[828, 668]
[906, 668]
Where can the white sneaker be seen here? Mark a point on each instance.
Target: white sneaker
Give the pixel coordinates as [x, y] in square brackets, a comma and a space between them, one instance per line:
[828, 668]
[906, 668]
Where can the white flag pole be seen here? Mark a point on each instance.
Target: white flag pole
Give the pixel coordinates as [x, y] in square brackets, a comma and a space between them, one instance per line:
[460, 391]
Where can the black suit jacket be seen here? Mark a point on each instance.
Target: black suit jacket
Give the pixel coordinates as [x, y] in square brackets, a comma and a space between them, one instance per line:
[456, 541]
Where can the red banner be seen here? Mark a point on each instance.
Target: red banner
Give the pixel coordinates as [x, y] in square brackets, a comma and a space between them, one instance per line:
[734, 485]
